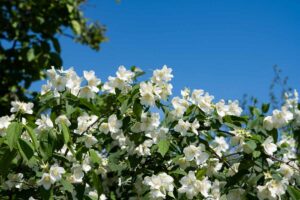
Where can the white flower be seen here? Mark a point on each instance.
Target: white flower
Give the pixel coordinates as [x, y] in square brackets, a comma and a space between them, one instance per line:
[14, 181]
[4, 123]
[190, 185]
[92, 80]
[204, 186]
[62, 119]
[213, 166]
[215, 190]
[86, 164]
[182, 127]
[84, 122]
[124, 75]
[233, 108]
[56, 172]
[272, 190]
[160, 185]
[114, 124]
[78, 174]
[268, 123]
[221, 108]
[87, 92]
[185, 93]
[104, 127]
[278, 118]
[149, 123]
[122, 81]
[144, 148]
[102, 197]
[196, 153]
[269, 146]
[163, 90]
[46, 88]
[22, 107]
[59, 83]
[46, 181]
[286, 171]
[93, 194]
[147, 94]
[194, 126]
[51, 73]
[180, 106]
[73, 81]
[44, 123]
[162, 75]
[158, 134]
[90, 140]
[202, 100]
[233, 169]
[220, 145]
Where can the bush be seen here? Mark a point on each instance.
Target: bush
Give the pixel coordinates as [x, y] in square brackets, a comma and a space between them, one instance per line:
[125, 139]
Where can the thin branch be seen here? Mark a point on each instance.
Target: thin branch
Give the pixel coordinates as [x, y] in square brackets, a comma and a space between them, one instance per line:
[287, 163]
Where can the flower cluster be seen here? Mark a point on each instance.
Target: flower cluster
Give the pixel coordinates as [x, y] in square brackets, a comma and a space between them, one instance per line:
[126, 139]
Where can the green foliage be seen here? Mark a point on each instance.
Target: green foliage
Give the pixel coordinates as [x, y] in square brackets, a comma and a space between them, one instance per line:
[117, 145]
[29, 41]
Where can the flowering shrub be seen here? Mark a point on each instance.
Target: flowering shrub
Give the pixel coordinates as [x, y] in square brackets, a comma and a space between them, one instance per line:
[124, 139]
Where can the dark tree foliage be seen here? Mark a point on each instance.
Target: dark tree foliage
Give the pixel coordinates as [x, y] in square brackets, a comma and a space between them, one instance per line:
[29, 44]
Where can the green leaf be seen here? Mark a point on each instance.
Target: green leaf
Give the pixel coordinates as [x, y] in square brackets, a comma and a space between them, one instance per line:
[137, 109]
[65, 132]
[94, 156]
[67, 185]
[32, 135]
[47, 144]
[97, 182]
[6, 157]
[265, 107]
[178, 171]
[163, 147]
[256, 154]
[46, 194]
[26, 149]
[124, 106]
[30, 54]
[294, 192]
[13, 133]
[55, 59]
[250, 146]
[200, 173]
[76, 27]
[56, 44]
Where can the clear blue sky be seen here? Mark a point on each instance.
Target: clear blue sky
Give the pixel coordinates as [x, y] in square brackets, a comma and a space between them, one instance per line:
[225, 47]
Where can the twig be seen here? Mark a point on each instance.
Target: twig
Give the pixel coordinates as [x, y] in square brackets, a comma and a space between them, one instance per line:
[287, 163]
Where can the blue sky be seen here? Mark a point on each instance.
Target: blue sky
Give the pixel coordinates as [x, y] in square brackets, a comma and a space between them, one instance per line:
[227, 48]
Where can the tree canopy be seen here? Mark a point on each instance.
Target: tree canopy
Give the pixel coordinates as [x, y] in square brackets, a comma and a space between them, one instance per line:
[29, 44]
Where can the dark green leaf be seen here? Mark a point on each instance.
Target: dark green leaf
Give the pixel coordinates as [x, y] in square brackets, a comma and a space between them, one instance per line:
[294, 192]
[265, 107]
[137, 109]
[32, 135]
[6, 157]
[26, 149]
[13, 133]
[65, 132]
